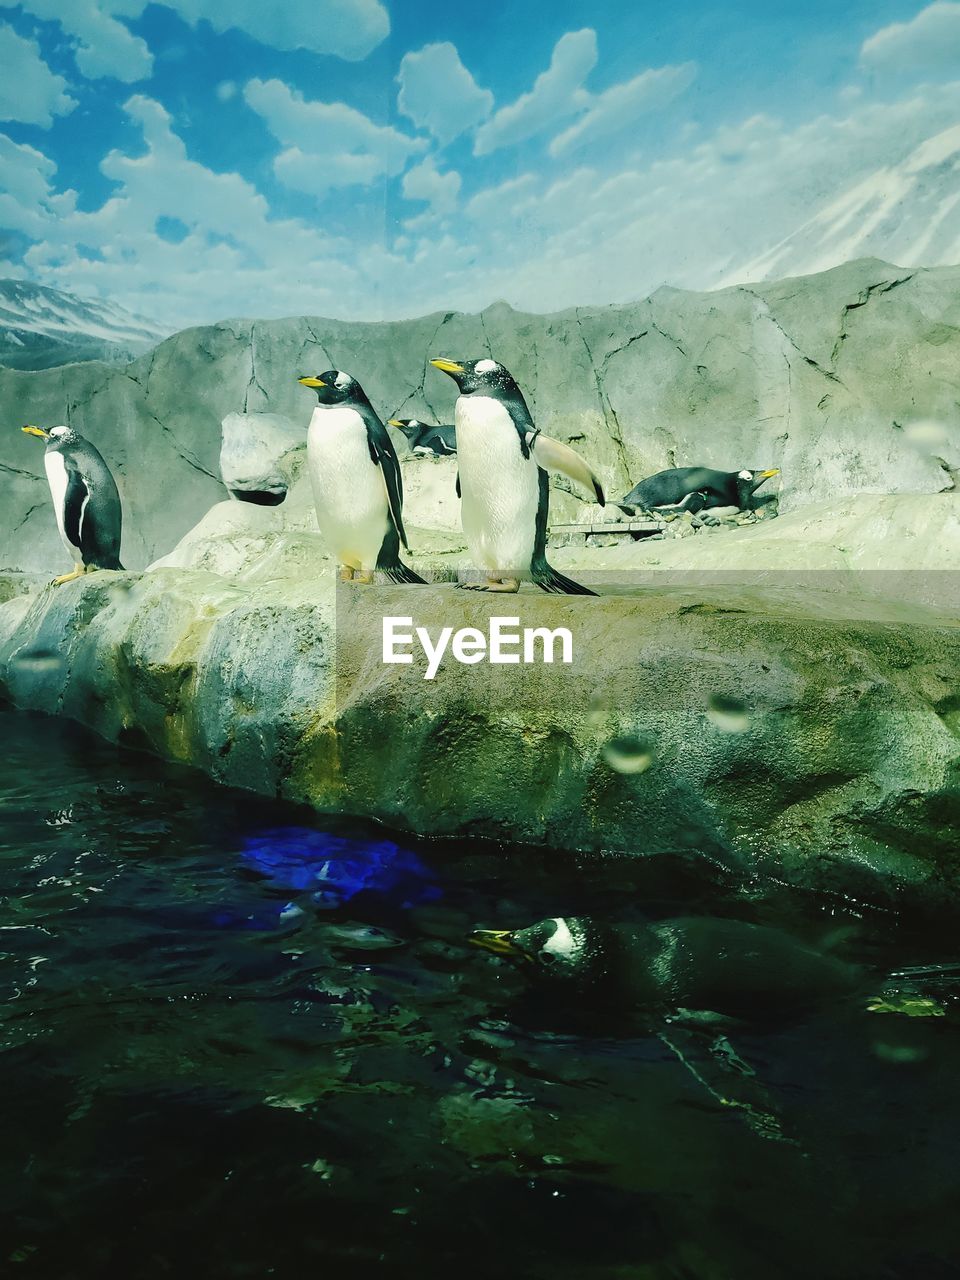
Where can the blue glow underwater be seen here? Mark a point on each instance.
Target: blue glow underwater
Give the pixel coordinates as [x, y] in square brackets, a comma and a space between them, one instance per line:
[336, 869]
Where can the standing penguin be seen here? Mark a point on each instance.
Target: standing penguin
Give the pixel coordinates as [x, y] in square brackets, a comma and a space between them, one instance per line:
[356, 481]
[503, 481]
[85, 500]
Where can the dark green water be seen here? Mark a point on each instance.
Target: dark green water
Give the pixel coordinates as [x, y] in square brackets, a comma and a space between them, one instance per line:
[208, 1070]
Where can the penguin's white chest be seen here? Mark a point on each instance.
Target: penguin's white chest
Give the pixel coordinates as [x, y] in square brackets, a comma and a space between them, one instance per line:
[348, 487]
[56, 470]
[499, 487]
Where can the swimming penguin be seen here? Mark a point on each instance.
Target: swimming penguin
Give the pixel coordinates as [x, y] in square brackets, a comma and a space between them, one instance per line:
[503, 480]
[423, 438]
[356, 481]
[697, 963]
[85, 500]
[695, 489]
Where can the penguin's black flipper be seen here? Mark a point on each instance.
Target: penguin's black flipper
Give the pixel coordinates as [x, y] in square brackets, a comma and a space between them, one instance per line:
[459, 494]
[385, 457]
[74, 500]
[87, 525]
[544, 574]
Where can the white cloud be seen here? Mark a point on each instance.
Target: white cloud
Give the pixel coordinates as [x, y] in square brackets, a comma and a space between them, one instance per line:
[327, 144]
[930, 42]
[556, 94]
[439, 190]
[504, 202]
[619, 106]
[348, 29]
[105, 47]
[226, 90]
[27, 199]
[694, 218]
[234, 259]
[29, 90]
[438, 93]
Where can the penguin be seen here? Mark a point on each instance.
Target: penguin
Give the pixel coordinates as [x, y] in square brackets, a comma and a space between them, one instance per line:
[436, 441]
[502, 480]
[705, 964]
[695, 489]
[356, 481]
[85, 500]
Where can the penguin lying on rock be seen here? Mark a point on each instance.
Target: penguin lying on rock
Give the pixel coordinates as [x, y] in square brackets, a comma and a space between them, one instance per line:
[695, 489]
[356, 481]
[422, 438]
[85, 500]
[695, 963]
[503, 460]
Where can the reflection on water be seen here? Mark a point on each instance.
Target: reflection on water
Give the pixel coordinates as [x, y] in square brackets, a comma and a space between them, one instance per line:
[236, 1041]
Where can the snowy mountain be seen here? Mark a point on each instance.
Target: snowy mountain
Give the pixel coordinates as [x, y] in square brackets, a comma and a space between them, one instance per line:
[908, 213]
[41, 327]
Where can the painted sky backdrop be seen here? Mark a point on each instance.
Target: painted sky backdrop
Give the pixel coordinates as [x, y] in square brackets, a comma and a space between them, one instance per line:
[194, 160]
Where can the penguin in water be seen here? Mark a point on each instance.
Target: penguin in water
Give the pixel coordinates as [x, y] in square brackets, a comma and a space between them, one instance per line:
[705, 964]
[502, 480]
[85, 500]
[695, 489]
[356, 481]
[422, 438]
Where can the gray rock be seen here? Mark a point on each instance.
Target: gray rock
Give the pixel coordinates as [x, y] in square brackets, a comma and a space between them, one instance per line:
[254, 455]
[824, 377]
[845, 773]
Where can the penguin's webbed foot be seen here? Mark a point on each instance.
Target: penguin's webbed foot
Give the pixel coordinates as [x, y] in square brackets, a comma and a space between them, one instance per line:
[505, 586]
[364, 576]
[346, 573]
[78, 572]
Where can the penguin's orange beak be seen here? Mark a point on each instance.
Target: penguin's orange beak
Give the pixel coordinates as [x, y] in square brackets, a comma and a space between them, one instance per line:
[765, 475]
[311, 382]
[447, 366]
[499, 941]
[35, 431]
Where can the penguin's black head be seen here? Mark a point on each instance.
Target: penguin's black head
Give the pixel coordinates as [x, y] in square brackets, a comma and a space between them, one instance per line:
[485, 377]
[749, 481]
[409, 426]
[56, 437]
[335, 387]
[557, 947]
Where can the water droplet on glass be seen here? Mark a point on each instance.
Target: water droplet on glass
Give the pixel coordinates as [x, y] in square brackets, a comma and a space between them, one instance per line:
[597, 711]
[37, 660]
[629, 753]
[926, 434]
[729, 715]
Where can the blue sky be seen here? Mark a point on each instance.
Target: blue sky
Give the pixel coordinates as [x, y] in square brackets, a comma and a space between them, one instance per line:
[355, 158]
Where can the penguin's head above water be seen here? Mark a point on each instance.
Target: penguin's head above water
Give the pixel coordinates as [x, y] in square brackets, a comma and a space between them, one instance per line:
[557, 946]
[56, 437]
[485, 377]
[334, 387]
